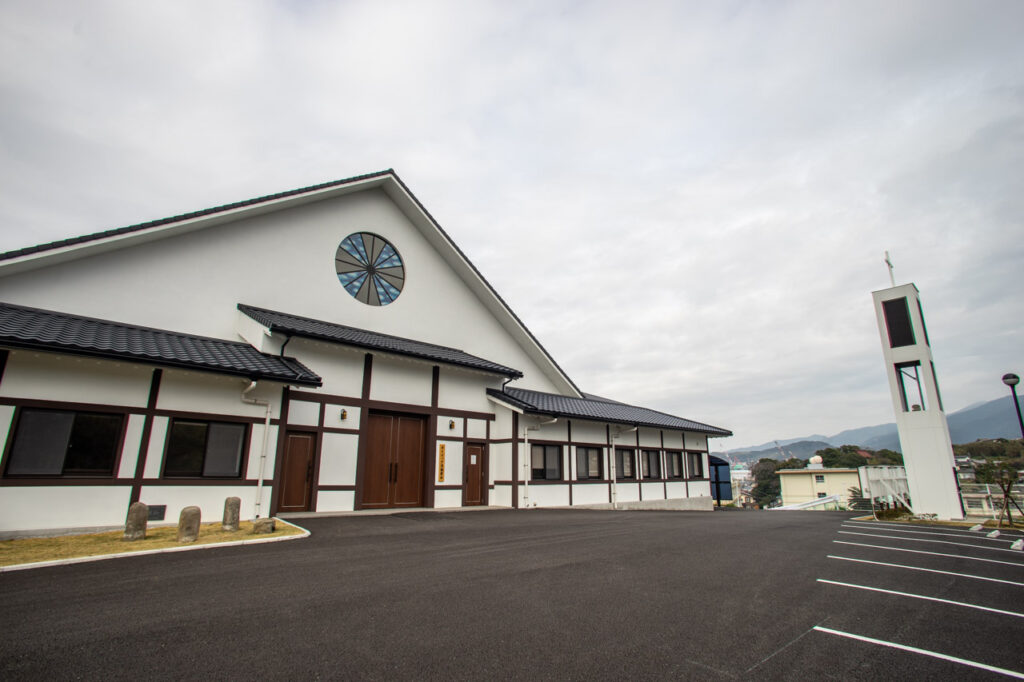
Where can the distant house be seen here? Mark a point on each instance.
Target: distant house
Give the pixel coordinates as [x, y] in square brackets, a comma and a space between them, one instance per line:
[323, 349]
[806, 485]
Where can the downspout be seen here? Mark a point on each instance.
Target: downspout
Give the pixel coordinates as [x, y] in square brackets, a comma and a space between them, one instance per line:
[528, 458]
[263, 450]
[611, 465]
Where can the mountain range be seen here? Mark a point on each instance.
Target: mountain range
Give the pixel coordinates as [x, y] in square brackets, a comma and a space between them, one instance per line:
[993, 419]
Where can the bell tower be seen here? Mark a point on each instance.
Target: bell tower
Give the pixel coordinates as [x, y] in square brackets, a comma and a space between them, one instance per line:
[920, 417]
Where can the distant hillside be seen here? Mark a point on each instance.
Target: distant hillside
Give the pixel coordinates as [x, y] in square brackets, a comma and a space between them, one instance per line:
[993, 419]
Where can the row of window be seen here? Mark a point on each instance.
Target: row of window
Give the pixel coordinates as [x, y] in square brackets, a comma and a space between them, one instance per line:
[546, 464]
[67, 443]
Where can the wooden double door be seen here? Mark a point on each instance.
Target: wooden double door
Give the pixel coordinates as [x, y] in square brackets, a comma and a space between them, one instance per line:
[393, 462]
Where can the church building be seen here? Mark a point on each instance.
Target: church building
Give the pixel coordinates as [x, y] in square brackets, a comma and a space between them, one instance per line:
[326, 349]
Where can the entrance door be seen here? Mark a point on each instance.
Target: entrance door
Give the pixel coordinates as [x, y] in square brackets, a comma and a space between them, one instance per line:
[393, 464]
[297, 472]
[473, 485]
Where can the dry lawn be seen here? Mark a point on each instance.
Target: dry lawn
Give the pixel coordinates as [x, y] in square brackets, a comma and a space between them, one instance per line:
[31, 550]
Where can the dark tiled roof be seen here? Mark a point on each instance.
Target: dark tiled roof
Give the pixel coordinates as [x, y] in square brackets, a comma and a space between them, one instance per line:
[33, 328]
[72, 241]
[599, 409]
[294, 325]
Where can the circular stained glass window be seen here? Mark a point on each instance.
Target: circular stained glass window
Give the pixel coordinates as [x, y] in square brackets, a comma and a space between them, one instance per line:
[369, 268]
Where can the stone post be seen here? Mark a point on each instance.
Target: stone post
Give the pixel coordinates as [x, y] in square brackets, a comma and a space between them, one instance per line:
[231, 511]
[188, 524]
[135, 524]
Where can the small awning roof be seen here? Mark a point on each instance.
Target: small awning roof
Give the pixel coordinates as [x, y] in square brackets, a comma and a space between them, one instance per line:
[47, 330]
[597, 409]
[294, 325]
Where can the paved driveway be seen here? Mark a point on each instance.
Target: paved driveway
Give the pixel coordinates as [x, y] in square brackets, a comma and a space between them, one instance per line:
[528, 595]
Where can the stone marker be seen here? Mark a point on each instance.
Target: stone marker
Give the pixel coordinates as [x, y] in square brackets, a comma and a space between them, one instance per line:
[263, 526]
[188, 524]
[135, 524]
[231, 507]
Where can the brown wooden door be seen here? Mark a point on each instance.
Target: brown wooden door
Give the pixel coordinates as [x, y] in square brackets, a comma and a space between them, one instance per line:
[297, 472]
[393, 463]
[473, 480]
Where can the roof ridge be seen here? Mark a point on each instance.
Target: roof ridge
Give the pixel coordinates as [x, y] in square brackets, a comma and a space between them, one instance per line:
[123, 325]
[241, 307]
[139, 227]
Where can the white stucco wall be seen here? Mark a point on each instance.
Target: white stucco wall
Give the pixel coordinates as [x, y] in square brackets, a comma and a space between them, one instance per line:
[48, 376]
[40, 507]
[338, 458]
[335, 500]
[590, 493]
[401, 381]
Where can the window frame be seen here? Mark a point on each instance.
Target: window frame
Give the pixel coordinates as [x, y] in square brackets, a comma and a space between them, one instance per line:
[676, 455]
[587, 450]
[546, 448]
[117, 444]
[619, 475]
[695, 464]
[819, 478]
[243, 449]
[648, 458]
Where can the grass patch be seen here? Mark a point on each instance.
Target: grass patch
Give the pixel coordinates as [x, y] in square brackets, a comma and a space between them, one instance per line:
[32, 550]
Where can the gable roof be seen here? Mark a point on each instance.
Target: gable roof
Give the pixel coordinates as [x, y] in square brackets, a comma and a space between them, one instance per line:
[47, 330]
[294, 325]
[386, 180]
[598, 409]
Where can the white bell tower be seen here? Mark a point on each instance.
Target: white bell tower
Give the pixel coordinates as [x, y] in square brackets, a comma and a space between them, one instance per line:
[920, 419]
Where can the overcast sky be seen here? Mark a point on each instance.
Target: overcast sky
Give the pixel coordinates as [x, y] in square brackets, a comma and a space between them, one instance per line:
[686, 202]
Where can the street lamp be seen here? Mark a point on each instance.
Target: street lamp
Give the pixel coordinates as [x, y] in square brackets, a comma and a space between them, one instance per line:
[1012, 380]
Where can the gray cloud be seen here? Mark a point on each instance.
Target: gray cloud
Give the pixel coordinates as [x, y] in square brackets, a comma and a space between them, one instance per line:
[687, 202]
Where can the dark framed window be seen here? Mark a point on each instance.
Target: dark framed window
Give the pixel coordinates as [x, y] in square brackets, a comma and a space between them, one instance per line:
[588, 463]
[201, 449]
[650, 463]
[909, 379]
[897, 323]
[64, 443]
[624, 463]
[819, 478]
[674, 465]
[546, 462]
[696, 464]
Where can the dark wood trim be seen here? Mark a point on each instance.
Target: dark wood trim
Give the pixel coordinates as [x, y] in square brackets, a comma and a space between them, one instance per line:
[147, 432]
[364, 419]
[336, 488]
[430, 461]
[435, 385]
[3, 364]
[332, 398]
[638, 467]
[571, 455]
[610, 450]
[447, 487]
[501, 441]
[515, 460]
[330, 429]
[275, 488]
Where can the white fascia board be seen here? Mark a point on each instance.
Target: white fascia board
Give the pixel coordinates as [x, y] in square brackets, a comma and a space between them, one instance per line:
[474, 280]
[502, 403]
[71, 252]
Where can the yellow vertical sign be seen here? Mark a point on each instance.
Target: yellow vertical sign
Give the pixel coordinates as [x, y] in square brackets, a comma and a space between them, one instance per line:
[440, 463]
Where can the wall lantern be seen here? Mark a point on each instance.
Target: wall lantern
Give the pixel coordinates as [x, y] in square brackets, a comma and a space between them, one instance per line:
[344, 415]
[451, 423]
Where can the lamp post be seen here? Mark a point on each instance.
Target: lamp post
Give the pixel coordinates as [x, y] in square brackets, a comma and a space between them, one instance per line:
[1012, 380]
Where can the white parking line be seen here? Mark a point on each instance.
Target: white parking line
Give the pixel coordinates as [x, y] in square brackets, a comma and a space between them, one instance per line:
[921, 551]
[1015, 532]
[940, 542]
[927, 570]
[925, 652]
[1005, 539]
[922, 596]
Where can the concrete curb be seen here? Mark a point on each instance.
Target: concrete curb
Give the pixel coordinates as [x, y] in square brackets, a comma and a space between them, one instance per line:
[143, 552]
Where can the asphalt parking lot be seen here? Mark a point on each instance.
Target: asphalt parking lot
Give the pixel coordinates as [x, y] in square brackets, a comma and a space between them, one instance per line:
[540, 594]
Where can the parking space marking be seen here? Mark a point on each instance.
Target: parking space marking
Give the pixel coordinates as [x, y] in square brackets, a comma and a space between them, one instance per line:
[1014, 532]
[927, 570]
[940, 542]
[925, 652]
[922, 596]
[921, 551]
[1007, 540]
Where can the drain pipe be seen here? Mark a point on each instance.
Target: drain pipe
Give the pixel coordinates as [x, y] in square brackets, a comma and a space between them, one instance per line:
[528, 458]
[263, 450]
[611, 465]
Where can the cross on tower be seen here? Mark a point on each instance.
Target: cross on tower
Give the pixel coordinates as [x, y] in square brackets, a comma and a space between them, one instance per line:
[888, 262]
